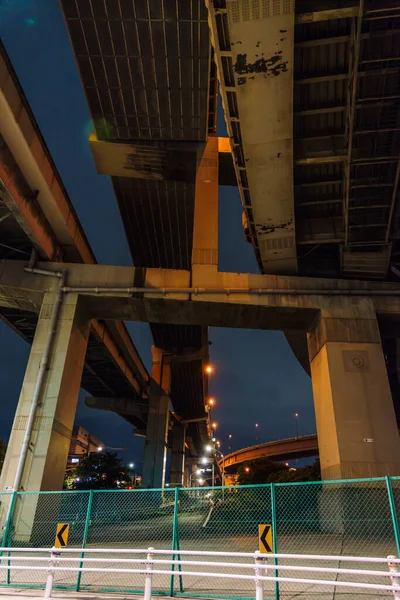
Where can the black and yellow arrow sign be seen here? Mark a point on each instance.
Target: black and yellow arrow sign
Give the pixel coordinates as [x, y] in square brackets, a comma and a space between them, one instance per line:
[62, 535]
[265, 538]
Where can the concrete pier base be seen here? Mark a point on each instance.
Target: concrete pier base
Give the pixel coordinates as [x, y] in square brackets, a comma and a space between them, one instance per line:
[356, 423]
[177, 454]
[48, 450]
[155, 450]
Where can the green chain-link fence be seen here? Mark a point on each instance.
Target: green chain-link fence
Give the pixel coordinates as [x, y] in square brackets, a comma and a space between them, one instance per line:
[337, 518]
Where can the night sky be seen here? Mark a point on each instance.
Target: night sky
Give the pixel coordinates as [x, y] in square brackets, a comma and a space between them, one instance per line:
[257, 379]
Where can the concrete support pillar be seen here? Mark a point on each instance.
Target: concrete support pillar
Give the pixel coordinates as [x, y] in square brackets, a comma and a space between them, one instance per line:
[205, 232]
[356, 424]
[177, 453]
[186, 476]
[48, 451]
[155, 450]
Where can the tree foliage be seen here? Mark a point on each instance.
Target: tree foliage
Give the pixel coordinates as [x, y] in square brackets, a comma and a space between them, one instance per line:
[3, 450]
[264, 470]
[98, 471]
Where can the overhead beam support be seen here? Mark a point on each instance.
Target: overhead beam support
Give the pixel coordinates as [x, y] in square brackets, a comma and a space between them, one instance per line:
[326, 15]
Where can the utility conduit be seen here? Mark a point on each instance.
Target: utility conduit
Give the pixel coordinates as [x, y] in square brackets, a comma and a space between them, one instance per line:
[230, 291]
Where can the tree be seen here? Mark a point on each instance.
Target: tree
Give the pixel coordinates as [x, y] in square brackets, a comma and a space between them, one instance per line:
[3, 450]
[258, 470]
[98, 471]
[264, 470]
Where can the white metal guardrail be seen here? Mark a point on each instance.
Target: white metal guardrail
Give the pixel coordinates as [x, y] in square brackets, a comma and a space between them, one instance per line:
[260, 569]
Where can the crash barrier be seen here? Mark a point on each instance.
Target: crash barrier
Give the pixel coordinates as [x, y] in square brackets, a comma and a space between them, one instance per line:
[258, 569]
[340, 518]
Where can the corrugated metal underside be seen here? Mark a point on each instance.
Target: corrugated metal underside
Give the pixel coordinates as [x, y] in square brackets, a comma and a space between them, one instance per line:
[147, 74]
[144, 66]
[158, 220]
[347, 142]
[346, 128]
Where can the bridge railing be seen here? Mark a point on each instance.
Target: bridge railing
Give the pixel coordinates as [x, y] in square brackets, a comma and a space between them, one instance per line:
[339, 518]
[254, 568]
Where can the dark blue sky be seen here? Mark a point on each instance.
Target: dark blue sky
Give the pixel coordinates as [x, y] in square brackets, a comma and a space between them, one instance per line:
[257, 378]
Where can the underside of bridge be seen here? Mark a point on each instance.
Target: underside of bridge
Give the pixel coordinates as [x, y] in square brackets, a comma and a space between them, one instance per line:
[311, 98]
[150, 81]
[26, 226]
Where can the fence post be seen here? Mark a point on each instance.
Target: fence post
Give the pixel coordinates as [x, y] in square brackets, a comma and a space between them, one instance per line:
[274, 538]
[175, 544]
[395, 576]
[259, 560]
[7, 529]
[149, 575]
[8, 521]
[54, 553]
[393, 512]
[84, 539]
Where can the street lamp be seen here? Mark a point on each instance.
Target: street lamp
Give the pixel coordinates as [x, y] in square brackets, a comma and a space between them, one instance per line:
[209, 369]
[211, 402]
[131, 466]
[256, 432]
[296, 416]
[197, 472]
[214, 425]
[229, 438]
[206, 461]
[101, 448]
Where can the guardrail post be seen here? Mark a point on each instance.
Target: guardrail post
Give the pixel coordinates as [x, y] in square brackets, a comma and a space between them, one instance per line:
[149, 575]
[274, 537]
[395, 576]
[260, 561]
[85, 536]
[54, 553]
[393, 512]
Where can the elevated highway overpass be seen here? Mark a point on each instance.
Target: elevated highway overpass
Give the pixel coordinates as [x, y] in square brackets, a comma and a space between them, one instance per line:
[288, 449]
[310, 95]
[310, 92]
[36, 215]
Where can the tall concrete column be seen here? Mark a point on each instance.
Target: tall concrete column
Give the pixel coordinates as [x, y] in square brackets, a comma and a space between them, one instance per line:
[356, 424]
[186, 477]
[155, 450]
[48, 450]
[177, 453]
[205, 231]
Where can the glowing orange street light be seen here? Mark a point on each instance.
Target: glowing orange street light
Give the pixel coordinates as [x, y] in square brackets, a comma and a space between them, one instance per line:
[214, 425]
[247, 469]
[209, 369]
[211, 401]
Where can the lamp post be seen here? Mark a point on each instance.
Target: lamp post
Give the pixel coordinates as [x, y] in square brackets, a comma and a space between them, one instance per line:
[131, 467]
[206, 461]
[256, 433]
[209, 448]
[296, 416]
[229, 441]
[197, 472]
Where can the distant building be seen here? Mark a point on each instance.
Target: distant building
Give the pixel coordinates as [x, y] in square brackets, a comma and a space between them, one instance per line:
[82, 443]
